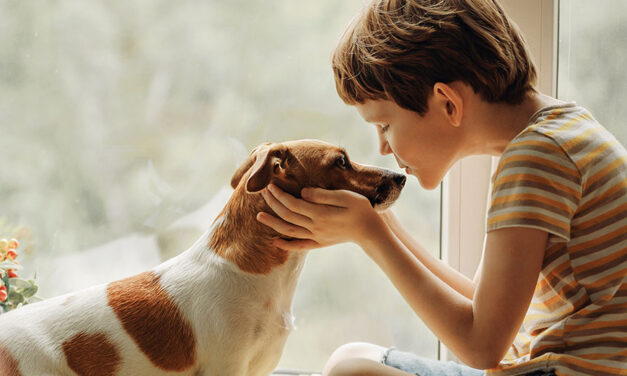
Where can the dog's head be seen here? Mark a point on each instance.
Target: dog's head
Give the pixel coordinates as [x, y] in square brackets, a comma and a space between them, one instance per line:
[294, 165]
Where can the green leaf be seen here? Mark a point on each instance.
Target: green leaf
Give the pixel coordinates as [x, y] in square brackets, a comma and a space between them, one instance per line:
[20, 283]
[15, 298]
[30, 291]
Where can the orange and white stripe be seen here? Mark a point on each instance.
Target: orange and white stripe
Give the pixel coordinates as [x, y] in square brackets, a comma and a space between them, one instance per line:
[567, 175]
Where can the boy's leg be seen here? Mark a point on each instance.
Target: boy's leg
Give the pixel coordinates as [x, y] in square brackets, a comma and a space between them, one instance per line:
[364, 367]
[359, 358]
[366, 359]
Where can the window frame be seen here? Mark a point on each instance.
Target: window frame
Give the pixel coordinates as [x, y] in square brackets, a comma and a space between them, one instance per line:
[466, 188]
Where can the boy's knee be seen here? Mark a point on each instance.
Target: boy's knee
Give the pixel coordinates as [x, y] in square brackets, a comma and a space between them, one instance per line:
[353, 367]
[350, 356]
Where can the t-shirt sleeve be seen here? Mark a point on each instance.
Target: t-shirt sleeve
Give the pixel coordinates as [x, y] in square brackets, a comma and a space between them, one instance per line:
[536, 185]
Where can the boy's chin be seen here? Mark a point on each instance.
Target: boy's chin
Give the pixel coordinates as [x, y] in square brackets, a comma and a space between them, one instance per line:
[428, 184]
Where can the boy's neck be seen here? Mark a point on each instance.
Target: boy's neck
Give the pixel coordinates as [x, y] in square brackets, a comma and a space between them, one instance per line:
[496, 124]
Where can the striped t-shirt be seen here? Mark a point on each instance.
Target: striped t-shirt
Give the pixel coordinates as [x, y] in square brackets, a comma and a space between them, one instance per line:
[567, 175]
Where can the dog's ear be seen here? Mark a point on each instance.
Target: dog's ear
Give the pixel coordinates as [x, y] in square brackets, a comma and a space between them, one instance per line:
[264, 162]
[270, 162]
[247, 164]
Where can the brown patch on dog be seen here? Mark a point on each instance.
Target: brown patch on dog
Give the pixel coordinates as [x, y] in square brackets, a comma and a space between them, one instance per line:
[8, 365]
[91, 355]
[229, 241]
[219, 216]
[154, 321]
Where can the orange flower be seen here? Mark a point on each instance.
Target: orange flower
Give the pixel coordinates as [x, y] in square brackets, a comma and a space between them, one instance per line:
[11, 255]
[3, 293]
[13, 244]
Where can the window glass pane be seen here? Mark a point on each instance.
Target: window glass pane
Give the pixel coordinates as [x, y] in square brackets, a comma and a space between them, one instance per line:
[592, 56]
[122, 123]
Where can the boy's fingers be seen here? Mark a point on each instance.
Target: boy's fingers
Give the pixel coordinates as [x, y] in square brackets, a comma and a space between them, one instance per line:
[296, 245]
[337, 198]
[290, 202]
[283, 227]
[284, 212]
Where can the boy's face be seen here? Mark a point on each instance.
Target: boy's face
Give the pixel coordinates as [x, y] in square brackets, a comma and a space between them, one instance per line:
[425, 146]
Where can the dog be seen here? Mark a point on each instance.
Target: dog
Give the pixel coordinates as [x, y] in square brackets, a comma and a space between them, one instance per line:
[223, 307]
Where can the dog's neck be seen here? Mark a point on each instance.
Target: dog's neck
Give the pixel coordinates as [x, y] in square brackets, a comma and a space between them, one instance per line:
[238, 237]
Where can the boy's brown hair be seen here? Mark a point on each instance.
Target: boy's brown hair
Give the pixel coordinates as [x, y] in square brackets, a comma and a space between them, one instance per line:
[398, 49]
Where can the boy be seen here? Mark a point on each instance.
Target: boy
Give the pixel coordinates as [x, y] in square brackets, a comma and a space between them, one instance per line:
[442, 80]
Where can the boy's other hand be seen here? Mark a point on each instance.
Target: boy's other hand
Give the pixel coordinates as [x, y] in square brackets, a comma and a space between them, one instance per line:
[321, 218]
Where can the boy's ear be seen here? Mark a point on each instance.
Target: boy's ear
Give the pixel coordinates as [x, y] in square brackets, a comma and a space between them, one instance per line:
[452, 102]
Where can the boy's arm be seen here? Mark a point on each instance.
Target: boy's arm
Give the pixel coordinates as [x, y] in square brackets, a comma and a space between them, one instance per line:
[478, 330]
[441, 269]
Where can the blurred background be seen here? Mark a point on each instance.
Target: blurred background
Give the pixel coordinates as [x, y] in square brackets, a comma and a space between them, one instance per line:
[121, 124]
[592, 60]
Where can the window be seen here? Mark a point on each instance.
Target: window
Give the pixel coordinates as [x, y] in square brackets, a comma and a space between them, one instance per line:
[592, 56]
[123, 122]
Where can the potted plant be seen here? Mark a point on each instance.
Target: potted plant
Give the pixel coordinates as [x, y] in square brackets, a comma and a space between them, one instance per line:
[14, 291]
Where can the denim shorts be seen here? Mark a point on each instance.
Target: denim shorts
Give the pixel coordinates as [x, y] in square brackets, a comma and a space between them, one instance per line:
[420, 366]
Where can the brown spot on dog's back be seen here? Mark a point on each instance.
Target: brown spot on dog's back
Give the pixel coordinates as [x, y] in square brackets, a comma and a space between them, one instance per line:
[8, 365]
[154, 321]
[91, 355]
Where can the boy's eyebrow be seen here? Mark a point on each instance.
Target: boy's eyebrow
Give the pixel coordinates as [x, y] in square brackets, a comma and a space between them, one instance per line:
[377, 117]
[374, 119]
[374, 113]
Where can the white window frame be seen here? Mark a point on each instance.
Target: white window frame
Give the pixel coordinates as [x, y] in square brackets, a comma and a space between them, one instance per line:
[466, 187]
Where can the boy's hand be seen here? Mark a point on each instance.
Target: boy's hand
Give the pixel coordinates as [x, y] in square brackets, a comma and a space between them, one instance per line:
[322, 218]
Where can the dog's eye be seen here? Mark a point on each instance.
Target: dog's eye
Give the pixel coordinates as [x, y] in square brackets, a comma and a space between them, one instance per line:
[342, 163]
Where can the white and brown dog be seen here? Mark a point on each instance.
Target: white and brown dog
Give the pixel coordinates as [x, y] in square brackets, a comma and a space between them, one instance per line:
[223, 307]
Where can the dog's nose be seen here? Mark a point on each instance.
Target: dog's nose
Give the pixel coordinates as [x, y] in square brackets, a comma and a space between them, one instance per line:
[400, 180]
